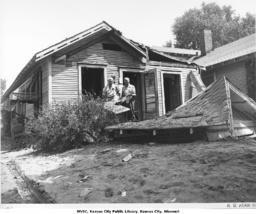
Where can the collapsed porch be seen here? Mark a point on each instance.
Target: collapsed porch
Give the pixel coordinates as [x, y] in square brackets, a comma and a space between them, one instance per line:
[219, 111]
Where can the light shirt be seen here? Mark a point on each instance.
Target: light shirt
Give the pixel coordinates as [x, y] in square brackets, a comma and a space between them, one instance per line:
[111, 92]
[129, 90]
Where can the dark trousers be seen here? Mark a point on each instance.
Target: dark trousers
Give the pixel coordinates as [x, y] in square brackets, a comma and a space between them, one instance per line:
[130, 105]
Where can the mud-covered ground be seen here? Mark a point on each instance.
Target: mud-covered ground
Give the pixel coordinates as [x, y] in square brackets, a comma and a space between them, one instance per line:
[199, 172]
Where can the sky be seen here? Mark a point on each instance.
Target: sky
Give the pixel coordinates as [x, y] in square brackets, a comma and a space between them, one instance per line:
[29, 26]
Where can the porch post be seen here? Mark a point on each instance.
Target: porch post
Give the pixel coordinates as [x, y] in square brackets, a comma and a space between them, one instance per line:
[49, 80]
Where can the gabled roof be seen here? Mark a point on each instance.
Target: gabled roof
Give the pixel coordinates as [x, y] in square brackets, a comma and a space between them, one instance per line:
[233, 50]
[102, 28]
[71, 42]
[208, 108]
[78, 41]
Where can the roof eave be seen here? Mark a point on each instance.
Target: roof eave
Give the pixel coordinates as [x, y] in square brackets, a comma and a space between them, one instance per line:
[58, 46]
[228, 62]
[18, 79]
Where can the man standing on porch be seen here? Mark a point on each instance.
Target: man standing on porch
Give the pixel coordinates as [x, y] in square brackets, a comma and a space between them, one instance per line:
[111, 91]
[128, 96]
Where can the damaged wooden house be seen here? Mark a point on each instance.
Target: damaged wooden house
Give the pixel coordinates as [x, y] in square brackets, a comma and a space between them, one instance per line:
[164, 78]
[219, 111]
[235, 60]
[225, 108]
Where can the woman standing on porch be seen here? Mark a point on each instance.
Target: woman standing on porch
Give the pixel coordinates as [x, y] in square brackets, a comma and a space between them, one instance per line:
[111, 91]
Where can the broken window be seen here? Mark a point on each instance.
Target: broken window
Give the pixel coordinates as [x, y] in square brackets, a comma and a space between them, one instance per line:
[92, 81]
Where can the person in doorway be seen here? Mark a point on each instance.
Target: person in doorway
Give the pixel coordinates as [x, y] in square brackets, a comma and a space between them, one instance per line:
[127, 97]
[111, 91]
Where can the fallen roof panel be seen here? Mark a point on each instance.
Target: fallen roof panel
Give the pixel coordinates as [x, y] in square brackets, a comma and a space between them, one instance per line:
[208, 108]
[162, 123]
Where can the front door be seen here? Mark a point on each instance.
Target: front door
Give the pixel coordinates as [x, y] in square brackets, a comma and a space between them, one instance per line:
[135, 79]
[172, 91]
[151, 94]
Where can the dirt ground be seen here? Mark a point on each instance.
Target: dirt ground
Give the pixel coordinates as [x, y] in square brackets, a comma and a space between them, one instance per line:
[199, 172]
[13, 188]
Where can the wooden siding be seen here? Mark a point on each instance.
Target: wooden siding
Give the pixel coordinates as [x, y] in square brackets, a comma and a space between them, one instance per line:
[187, 87]
[64, 83]
[29, 110]
[235, 73]
[95, 54]
[45, 98]
[160, 95]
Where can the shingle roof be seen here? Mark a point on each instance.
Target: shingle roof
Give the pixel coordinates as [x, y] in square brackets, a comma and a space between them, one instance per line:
[208, 108]
[162, 123]
[241, 47]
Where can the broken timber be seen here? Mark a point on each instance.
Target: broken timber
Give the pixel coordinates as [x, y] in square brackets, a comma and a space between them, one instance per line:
[219, 111]
[197, 81]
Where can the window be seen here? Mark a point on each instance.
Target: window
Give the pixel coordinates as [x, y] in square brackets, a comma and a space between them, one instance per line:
[112, 47]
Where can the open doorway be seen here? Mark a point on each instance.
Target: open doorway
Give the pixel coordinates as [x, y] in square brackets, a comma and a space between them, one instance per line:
[92, 81]
[135, 79]
[172, 91]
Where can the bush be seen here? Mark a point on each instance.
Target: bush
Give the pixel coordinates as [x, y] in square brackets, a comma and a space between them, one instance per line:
[61, 126]
[6, 123]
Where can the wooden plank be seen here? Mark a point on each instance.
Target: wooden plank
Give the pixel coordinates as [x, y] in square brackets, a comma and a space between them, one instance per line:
[241, 131]
[156, 73]
[60, 58]
[197, 81]
[231, 125]
[169, 64]
[44, 68]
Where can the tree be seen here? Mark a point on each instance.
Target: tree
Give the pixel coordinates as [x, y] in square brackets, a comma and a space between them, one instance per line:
[225, 25]
[3, 86]
[169, 44]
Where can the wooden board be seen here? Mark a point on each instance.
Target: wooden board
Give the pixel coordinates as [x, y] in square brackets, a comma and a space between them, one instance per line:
[116, 109]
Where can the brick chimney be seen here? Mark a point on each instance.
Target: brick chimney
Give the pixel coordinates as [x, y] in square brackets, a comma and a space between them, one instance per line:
[206, 44]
